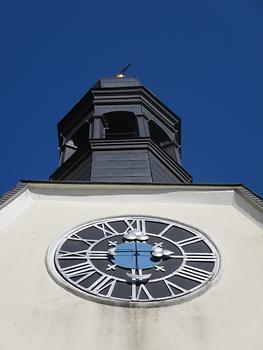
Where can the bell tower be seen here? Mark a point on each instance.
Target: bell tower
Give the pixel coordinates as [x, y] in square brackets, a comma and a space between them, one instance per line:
[120, 132]
[100, 255]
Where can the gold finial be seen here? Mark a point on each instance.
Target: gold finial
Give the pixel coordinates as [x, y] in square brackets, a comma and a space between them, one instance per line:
[121, 73]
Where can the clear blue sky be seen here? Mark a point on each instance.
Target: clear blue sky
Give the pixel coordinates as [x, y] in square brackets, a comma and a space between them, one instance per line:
[202, 58]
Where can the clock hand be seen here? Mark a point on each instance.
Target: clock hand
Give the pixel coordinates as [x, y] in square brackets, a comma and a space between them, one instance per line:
[113, 251]
[136, 235]
[159, 252]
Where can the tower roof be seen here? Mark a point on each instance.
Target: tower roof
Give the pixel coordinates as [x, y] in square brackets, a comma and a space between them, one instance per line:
[116, 82]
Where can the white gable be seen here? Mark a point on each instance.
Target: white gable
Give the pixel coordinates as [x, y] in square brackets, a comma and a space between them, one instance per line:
[36, 313]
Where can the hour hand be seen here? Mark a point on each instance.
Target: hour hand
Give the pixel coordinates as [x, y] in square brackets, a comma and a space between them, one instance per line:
[159, 252]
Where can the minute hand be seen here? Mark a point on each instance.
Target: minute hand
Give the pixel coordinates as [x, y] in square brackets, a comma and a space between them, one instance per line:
[159, 252]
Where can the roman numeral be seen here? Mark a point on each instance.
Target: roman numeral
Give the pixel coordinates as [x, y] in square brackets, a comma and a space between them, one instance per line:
[193, 273]
[82, 270]
[76, 237]
[137, 224]
[171, 285]
[165, 230]
[200, 257]
[102, 283]
[141, 293]
[81, 254]
[189, 240]
[98, 254]
[106, 229]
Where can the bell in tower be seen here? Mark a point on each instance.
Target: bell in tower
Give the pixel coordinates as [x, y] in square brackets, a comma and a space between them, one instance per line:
[120, 132]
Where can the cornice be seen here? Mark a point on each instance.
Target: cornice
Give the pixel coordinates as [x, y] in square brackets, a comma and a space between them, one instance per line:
[23, 185]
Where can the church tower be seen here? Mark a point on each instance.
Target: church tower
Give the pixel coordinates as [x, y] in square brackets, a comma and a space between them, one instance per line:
[120, 132]
[119, 249]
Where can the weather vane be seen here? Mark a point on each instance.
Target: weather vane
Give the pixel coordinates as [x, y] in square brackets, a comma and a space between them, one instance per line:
[121, 73]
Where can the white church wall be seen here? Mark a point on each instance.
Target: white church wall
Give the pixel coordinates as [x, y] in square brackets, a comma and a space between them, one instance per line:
[36, 313]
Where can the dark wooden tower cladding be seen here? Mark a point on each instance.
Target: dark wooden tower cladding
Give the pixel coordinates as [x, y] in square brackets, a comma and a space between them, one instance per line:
[120, 132]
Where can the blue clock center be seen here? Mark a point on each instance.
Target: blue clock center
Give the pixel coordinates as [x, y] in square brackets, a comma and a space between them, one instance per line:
[134, 255]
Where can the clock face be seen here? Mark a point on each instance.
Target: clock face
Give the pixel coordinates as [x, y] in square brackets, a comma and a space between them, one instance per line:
[133, 260]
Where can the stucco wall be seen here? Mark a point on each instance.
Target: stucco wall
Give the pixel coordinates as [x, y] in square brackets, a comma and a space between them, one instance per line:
[36, 313]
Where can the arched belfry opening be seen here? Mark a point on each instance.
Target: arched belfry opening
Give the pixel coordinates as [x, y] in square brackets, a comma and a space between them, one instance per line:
[120, 132]
[120, 125]
[159, 136]
[81, 137]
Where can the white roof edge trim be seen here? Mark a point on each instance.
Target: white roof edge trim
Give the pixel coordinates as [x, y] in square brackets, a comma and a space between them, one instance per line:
[11, 195]
[23, 186]
[250, 196]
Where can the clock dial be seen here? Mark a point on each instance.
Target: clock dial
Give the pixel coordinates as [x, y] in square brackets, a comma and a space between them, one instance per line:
[133, 260]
